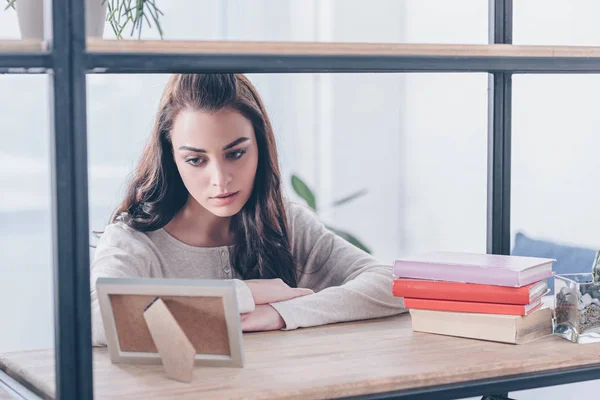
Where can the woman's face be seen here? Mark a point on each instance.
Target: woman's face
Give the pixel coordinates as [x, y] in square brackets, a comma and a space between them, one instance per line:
[217, 156]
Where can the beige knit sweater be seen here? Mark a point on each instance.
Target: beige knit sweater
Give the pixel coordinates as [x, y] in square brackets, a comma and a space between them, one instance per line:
[348, 283]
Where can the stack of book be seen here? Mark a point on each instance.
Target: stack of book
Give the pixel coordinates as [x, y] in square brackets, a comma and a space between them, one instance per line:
[479, 296]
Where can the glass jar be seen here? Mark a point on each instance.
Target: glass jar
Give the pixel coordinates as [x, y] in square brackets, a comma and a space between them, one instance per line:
[577, 308]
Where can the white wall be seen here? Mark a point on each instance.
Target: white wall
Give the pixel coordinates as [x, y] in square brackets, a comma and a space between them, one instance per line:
[555, 129]
[554, 132]
[445, 135]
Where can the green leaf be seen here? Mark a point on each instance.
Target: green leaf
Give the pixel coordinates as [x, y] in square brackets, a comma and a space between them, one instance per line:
[11, 4]
[350, 238]
[134, 14]
[303, 191]
[349, 198]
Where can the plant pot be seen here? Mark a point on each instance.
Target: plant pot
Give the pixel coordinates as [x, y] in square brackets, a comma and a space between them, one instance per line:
[30, 14]
[577, 308]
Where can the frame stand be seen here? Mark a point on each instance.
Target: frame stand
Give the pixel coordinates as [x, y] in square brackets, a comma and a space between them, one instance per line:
[175, 349]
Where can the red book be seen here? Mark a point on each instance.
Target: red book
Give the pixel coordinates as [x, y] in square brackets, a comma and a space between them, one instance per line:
[467, 306]
[457, 291]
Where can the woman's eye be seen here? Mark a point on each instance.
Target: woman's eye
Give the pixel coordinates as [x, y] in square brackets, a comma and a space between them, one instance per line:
[194, 161]
[234, 155]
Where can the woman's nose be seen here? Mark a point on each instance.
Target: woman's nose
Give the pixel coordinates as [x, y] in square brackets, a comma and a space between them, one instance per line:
[221, 177]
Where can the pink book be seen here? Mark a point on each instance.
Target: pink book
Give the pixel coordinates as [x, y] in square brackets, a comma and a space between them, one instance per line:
[489, 269]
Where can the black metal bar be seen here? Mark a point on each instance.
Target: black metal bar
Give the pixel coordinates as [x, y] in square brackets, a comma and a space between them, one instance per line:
[259, 63]
[511, 383]
[499, 138]
[499, 142]
[25, 63]
[70, 203]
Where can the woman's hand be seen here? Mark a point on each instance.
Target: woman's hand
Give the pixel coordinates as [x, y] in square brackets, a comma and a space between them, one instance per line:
[265, 291]
[263, 318]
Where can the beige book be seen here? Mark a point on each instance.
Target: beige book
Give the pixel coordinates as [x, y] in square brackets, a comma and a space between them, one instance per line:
[494, 327]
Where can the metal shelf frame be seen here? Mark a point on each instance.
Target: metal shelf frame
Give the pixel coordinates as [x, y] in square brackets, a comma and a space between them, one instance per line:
[68, 61]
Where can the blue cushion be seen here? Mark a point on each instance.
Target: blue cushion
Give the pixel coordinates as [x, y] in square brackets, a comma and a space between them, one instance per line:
[569, 259]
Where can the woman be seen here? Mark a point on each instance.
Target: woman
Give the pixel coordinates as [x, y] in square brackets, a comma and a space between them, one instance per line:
[205, 202]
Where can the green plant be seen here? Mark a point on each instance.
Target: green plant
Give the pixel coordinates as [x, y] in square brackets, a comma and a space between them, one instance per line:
[122, 12]
[596, 268]
[308, 196]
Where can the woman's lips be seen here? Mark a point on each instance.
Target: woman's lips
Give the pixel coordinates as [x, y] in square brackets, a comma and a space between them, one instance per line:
[225, 199]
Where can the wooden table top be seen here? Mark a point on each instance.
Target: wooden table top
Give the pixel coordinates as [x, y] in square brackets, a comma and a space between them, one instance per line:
[348, 359]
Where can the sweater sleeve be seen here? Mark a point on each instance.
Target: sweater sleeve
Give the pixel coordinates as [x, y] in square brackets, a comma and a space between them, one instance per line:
[122, 252]
[349, 283]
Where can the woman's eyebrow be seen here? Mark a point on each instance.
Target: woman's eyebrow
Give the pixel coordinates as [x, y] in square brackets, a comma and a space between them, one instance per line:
[190, 148]
[227, 147]
[236, 142]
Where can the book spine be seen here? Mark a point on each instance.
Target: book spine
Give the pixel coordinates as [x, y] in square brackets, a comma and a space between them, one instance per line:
[460, 325]
[452, 273]
[464, 306]
[460, 292]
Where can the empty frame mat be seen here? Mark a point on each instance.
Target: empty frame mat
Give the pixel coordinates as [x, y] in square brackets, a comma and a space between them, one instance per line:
[201, 318]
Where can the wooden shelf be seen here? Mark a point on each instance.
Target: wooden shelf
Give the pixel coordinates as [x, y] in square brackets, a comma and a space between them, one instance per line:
[310, 48]
[22, 46]
[170, 56]
[350, 359]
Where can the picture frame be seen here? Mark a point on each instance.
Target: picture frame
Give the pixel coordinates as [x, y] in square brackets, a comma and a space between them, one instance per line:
[206, 311]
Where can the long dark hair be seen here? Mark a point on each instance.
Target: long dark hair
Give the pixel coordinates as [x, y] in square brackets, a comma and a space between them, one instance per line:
[156, 192]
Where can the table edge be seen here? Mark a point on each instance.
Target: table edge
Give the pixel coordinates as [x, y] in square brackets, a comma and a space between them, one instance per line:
[18, 382]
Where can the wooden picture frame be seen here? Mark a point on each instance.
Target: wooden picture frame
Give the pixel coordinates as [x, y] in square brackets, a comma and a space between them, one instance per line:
[205, 311]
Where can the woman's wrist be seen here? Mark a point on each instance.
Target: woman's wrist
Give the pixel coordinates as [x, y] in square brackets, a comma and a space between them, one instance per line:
[266, 291]
[263, 318]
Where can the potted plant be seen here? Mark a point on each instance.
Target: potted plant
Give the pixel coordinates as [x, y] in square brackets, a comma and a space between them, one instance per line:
[309, 197]
[119, 13]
